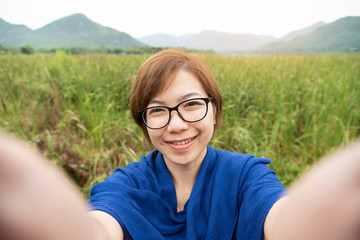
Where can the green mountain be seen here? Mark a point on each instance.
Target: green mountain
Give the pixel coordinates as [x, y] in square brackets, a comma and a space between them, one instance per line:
[72, 31]
[294, 34]
[12, 34]
[342, 35]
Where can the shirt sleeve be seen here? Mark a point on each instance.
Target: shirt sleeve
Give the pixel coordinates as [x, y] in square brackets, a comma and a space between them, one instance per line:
[260, 188]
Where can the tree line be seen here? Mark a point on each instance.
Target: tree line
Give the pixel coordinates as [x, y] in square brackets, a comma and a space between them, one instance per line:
[28, 49]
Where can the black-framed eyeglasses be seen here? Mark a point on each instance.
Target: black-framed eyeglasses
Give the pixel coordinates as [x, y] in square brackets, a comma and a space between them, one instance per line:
[191, 110]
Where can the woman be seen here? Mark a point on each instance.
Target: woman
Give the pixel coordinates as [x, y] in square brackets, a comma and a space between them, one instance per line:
[184, 189]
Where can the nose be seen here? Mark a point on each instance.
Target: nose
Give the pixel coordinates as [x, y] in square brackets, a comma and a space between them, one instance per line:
[176, 123]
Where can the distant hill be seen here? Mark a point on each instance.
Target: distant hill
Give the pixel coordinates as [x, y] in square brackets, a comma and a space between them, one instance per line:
[73, 31]
[12, 34]
[342, 35]
[159, 40]
[208, 39]
[294, 34]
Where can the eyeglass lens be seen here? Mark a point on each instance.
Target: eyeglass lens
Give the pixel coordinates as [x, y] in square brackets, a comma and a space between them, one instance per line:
[191, 110]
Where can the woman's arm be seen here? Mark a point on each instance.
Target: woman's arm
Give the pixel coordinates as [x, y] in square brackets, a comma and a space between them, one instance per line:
[323, 204]
[107, 225]
[37, 202]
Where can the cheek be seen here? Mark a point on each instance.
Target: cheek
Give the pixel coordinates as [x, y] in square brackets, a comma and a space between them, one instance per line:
[208, 123]
[154, 136]
[211, 121]
[212, 113]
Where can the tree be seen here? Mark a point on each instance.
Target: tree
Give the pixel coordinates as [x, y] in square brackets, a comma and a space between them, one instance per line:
[27, 49]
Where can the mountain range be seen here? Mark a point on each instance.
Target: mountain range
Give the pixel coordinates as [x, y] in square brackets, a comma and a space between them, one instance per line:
[77, 30]
[221, 42]
[343, 35]
[73, 31]
[209, 40]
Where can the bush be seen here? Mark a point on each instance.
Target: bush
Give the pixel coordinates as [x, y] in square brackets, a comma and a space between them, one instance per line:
[27, 49]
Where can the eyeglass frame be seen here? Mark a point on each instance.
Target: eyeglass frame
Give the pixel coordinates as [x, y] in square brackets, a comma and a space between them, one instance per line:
[176, 108]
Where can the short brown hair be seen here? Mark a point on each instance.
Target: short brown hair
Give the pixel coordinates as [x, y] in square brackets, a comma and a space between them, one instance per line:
[159, 70]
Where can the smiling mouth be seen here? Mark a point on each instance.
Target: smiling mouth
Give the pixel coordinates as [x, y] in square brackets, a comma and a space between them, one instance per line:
[178, 143]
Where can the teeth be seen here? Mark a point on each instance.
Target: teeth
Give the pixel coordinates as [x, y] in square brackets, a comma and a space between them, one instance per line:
[182, 142]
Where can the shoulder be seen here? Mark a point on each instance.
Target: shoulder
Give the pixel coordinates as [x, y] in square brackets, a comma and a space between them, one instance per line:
[134, 175]
[244, 167]
[238, 159]
[145, 164]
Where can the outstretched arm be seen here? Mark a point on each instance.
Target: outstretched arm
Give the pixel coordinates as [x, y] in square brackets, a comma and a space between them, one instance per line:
[323, 204]
[37, 202]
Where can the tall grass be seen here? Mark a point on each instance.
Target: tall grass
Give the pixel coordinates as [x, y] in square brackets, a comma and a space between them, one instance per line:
[75, 109]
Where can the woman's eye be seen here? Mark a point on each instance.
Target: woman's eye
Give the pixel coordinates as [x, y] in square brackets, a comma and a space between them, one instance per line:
[156, 110]
[193, 103]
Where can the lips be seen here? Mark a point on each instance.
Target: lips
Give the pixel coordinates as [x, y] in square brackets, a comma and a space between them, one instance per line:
[181, 143]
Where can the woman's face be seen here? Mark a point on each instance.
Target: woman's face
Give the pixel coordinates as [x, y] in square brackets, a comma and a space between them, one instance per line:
[181, 142]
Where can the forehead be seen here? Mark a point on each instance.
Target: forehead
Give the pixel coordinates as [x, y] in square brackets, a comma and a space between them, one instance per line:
[184, 85]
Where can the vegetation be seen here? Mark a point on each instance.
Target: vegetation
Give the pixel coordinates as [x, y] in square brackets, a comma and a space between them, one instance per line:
[75, 109]
[8, 50]
[28, 49]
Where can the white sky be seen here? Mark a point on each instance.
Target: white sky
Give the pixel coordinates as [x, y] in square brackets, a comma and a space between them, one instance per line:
[145, 17]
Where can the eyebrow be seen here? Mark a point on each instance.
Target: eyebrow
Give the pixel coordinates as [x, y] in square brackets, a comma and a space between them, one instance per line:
[182, 98]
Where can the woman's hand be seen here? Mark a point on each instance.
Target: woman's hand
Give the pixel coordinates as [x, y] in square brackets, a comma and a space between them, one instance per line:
[36, 200]
[323, 204]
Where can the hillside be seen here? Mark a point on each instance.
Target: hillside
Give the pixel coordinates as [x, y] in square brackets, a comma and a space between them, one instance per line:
[218, 41]
[12, 34]
[342, 35]
[294, 34]
[72, 31]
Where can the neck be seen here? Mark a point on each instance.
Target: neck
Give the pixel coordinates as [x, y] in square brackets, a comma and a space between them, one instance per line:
[184, 175]
[184, 178]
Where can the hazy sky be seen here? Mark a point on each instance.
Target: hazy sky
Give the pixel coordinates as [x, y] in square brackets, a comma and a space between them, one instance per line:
[144, 17]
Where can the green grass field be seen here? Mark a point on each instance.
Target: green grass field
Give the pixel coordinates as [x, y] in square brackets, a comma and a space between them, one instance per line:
[75, 109]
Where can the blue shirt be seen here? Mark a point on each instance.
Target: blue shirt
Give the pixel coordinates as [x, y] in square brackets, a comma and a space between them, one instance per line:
[230, 199]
